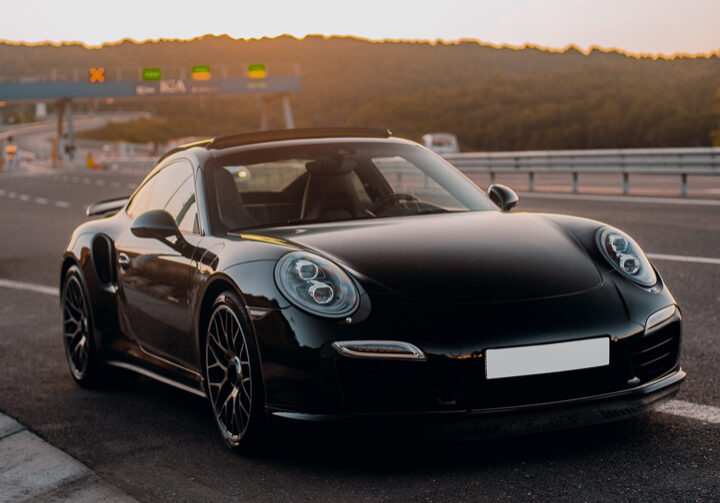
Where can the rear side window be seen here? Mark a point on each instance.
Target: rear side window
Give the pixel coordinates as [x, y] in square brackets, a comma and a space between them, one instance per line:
[171, 189]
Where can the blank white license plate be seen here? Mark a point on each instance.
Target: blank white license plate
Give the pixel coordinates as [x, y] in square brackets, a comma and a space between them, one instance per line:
[547, 358]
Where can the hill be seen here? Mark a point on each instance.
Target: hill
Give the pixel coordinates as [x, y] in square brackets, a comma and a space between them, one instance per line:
[493, 98]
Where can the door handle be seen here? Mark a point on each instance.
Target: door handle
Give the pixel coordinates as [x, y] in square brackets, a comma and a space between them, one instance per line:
[123, 261]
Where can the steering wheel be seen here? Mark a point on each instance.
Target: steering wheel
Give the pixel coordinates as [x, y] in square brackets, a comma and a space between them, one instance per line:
[391, 198]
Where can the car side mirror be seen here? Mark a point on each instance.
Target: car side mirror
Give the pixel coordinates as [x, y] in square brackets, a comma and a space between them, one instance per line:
[158, 224]
[503, 196]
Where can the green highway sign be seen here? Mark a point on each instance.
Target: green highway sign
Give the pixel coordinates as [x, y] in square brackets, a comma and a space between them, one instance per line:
[151, 74]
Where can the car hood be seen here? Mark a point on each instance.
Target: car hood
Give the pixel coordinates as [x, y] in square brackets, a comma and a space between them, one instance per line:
[484, 256]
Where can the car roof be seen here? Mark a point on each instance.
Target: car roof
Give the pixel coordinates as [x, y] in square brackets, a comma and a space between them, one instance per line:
[238, 140]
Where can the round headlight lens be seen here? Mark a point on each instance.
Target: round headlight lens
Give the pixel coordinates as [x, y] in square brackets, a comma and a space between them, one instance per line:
[316, 285]
[626, 256]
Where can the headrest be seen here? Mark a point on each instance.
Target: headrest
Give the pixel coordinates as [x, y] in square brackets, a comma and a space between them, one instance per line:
[331, 166]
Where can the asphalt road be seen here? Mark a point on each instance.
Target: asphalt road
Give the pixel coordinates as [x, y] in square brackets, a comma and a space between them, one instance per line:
[159, 444]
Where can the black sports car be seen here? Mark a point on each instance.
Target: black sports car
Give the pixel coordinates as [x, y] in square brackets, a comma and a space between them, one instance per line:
[345, 275]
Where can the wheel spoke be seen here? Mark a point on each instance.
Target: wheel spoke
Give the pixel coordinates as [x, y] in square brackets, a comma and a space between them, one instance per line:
[75, 299]
[212, 342]
[74, 311]
[223, 395]
[236, 332]
[246, 411]
[221, 324]
[214, 334]
[237, 414]
[76, 339]
[226, 332]
[227, 398]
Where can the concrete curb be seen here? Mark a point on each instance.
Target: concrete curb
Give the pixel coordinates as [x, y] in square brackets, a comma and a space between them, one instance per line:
[33, 470]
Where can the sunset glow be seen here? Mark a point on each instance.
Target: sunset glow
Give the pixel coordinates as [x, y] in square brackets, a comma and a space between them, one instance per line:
[656, 27]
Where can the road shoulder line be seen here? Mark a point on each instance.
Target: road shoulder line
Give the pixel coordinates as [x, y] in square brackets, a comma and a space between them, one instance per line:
[705, 413]
[684, 258]
[620, 199]
[29, 287]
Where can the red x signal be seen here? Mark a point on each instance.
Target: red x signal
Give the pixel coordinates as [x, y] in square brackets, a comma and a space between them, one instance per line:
[97, 75]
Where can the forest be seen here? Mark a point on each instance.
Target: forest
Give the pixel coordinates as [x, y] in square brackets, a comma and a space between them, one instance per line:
[492, 98]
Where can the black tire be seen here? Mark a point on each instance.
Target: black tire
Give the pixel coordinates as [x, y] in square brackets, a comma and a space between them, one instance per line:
[86, 368]
[78, 331]
[233, 379]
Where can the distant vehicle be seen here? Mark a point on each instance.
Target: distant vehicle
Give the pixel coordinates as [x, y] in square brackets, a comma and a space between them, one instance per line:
[344, 275]
[442, 143]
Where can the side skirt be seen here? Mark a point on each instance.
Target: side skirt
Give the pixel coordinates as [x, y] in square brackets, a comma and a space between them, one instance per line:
[157, 377]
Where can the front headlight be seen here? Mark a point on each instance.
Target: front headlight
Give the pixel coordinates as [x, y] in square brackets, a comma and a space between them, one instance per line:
[625, 255]
[316, 285]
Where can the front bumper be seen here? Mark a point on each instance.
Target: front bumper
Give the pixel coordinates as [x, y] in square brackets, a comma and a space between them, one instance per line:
[503, 421]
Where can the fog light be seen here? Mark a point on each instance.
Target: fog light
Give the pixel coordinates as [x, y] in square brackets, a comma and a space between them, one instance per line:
[660, 316]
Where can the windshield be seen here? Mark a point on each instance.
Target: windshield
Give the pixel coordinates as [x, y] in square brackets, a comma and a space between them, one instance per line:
[334, 181]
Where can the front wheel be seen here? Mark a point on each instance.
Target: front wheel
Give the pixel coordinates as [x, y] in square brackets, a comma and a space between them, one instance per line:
[232, 374]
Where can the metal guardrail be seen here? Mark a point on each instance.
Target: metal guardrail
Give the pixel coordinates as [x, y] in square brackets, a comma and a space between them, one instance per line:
[681, 162]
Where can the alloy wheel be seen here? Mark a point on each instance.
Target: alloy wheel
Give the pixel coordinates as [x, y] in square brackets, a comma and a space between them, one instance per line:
[228, 373]
[76, 327]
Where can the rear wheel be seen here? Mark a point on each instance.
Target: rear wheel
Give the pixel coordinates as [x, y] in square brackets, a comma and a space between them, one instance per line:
[78, 334]
[86, 368]
[232, 374]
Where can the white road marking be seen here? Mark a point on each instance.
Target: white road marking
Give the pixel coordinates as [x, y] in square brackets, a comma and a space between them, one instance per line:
[100, 183]
[131, 186]
[621, 199]
[37, 200]
[30, 287]
[706, 413]
[114, 184]
[684, 258]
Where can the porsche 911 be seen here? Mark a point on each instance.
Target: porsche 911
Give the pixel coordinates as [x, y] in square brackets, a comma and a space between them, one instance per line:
[347, 276]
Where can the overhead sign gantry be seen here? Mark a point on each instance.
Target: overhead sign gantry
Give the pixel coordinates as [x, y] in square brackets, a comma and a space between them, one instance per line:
[152, 82]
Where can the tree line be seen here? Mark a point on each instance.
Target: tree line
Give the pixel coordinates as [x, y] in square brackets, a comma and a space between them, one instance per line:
[492, 98]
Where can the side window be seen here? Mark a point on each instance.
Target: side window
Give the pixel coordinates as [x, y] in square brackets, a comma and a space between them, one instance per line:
[141, 202]
[182, 205]
[171, 189]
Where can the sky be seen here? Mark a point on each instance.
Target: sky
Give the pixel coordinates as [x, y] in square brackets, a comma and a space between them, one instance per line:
[656, 27]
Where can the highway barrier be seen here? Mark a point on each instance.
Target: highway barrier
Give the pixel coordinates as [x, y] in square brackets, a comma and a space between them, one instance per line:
[679, 162]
